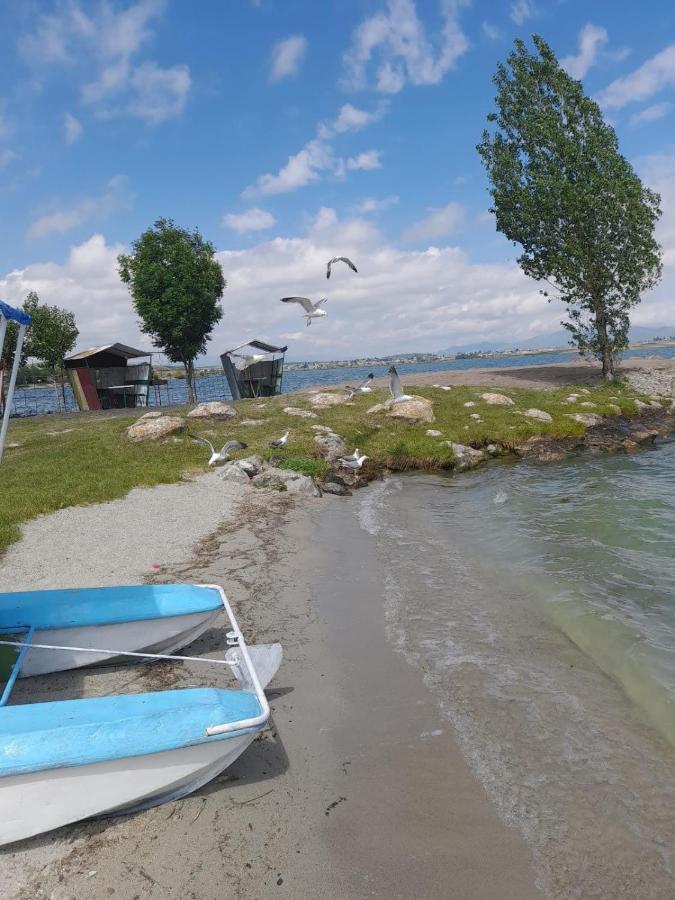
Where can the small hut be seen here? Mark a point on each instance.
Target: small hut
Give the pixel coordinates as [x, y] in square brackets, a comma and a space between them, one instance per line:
[254, 369]
[103, 378]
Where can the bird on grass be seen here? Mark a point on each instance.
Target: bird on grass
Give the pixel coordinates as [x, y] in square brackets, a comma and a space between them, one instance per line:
[343, 259]
[363, 388]
[396, 388]
[353, 462]
[312, 310]
[281, 441]
[222, 456]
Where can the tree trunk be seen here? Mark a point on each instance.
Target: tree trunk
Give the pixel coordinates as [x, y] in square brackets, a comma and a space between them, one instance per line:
[189, 380]
[606, 354]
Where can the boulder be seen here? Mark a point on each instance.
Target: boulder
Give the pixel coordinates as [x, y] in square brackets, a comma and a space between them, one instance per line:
[154, 428]
[538, 414]
[234, 473]
[641, 406]
[215, 409]
[331, 445]
[585, 418]
[286, 480]
[497, 399]
[269, 481]
[332, 487]
[325, 399]
[465, 457]
[492, 449]
[300, 413]
[251, 465]
[417, 409]
[379, 407]
[431, 432]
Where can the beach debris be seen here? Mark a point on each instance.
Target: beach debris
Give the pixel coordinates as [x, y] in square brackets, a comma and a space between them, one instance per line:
[280, 441]
[221, 456]
[497, 399]
[331, 445]
[353, 462]
[396, 388]
[343, 259]
[214, 409]
[540, 414]
[431, 432]
[585, 418]
[499, 498]
[415, 409]
[151, 429]
[324, 399]
[363, 388]
[312, 310]
[300, 413]
[465, 457]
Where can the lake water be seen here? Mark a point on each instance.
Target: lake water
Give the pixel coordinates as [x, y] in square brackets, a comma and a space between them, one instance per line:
[539, 602]
[41, 400]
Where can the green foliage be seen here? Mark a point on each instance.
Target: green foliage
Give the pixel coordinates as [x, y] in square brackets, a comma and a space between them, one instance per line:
[562, 190]
[176, 283]
[312, 467]
[51, 334]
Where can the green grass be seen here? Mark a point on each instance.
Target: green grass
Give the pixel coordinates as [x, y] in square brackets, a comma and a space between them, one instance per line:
[90, 460]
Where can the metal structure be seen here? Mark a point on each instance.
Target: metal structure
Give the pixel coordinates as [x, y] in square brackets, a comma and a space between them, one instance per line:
[9, 314]
[101, 377]
[254, 369]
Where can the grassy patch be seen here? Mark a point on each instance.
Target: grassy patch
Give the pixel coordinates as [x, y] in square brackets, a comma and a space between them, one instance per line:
[74, 460]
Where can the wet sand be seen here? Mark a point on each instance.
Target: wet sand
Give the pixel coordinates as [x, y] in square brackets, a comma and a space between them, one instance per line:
[357, 790]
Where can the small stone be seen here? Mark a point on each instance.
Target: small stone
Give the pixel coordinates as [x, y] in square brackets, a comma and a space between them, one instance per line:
[325, 399]
[492, 449]
[446, 387]
[215, 409]
[465, 457]
[431, 432]
[584, 391]
[155, 428]
[538, 414]
[588, 404]
[640, 406]
[585, 418]
[469, 403]
[497, 399]
[300, 413]
[656, 404]
[572, 398]
[254, 421]
[612, 407]
[476, 417]
[321, 428]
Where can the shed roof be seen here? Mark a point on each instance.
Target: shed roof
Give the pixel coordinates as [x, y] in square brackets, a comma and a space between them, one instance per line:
[117, 349]
[259, 345]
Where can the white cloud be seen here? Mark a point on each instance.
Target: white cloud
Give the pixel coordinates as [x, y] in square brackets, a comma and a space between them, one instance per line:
[302, 168]
[110, 40]
[491, 32]
[350, 118]
[592, 39]
[90, 209]
[7, 156]
[651, 113]
[521, 11]
[287, 56]
[438, 223]
[650, 78]
[375, 204]
[72, 128]
[392, 46]
[366, 161]
[254, 219]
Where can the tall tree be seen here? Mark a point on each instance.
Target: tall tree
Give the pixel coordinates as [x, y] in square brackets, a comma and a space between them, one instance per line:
[562, 190]
[51, 335]
[175, 283]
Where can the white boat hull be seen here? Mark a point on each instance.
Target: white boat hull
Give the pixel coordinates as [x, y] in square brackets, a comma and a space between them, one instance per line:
[41, 801]
[161, 635]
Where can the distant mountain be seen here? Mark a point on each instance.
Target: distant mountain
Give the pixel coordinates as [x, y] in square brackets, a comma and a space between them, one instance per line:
[557, 339]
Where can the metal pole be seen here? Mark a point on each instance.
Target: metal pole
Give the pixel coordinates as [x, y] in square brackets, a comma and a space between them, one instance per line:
[10, 389]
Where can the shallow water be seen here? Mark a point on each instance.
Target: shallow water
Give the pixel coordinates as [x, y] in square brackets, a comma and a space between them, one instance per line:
[540, 604]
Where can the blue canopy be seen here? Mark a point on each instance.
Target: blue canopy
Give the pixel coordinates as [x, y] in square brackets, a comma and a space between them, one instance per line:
[14, 315]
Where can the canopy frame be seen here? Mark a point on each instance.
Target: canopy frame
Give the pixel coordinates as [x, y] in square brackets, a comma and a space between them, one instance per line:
[8, 313]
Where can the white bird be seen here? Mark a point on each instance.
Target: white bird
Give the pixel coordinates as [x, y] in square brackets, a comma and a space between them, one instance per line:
[312, 310]
[352, 456]
[343, 259]
[396, 388]
[280, 442]
[363, 388]
[217, 459]
[348, 462]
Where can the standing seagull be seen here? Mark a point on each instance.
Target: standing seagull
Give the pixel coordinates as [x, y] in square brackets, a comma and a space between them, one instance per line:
[353, 462]
[396, 388]
[280, 442]
[312, 310]
[217, 459]
[363, 388]
[343, 259]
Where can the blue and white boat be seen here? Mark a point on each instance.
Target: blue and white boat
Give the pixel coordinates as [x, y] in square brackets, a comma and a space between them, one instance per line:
[149, 618]
[68, 760]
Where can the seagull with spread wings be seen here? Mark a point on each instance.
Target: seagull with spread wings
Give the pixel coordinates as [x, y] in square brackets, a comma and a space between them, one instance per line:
[312, 310]
[222, 456]
[396, 388]
[343, 259]
[363, 388]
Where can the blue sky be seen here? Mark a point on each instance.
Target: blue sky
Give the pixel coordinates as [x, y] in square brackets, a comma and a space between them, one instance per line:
[290, 131]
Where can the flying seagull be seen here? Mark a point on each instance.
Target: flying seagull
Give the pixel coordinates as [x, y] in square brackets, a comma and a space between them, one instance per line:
[312, 310]
[343, 259]
[280, 442]
[217, 459]
[396, 388]
[363, 388]
[352, 462]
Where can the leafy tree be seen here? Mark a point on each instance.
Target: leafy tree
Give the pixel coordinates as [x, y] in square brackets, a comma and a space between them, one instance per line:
[51, 335]
[562, 190]
[176, 284]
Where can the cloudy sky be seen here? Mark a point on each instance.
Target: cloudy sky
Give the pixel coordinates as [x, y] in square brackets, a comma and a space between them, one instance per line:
[289, 131]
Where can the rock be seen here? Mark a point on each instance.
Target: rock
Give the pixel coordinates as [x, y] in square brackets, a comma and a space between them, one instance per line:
[492, 449]
[640, 406]
[215, 409]
[332, 487]
[644, 437]
[417, 409]
[497, 399]
[446, 387]
[431, 432]
[572, 398]
[233, 472]
[541, 450]
[465, 457]
[588, 404]
[584, 391]
[538, 414]
[331, 445]
[379, 407]
[301, 413]
[656, 404]
[325, 399]
[254, 421]
[586, 418]
[268, 481]
[469, 403]
[151, 415]
[251, 465]
[155, 428]
[476, 417]
[321, 428]
[287, 480]
[612, 407]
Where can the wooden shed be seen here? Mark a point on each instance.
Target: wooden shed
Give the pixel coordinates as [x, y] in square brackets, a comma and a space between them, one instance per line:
[104, 378]
[254, 369]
